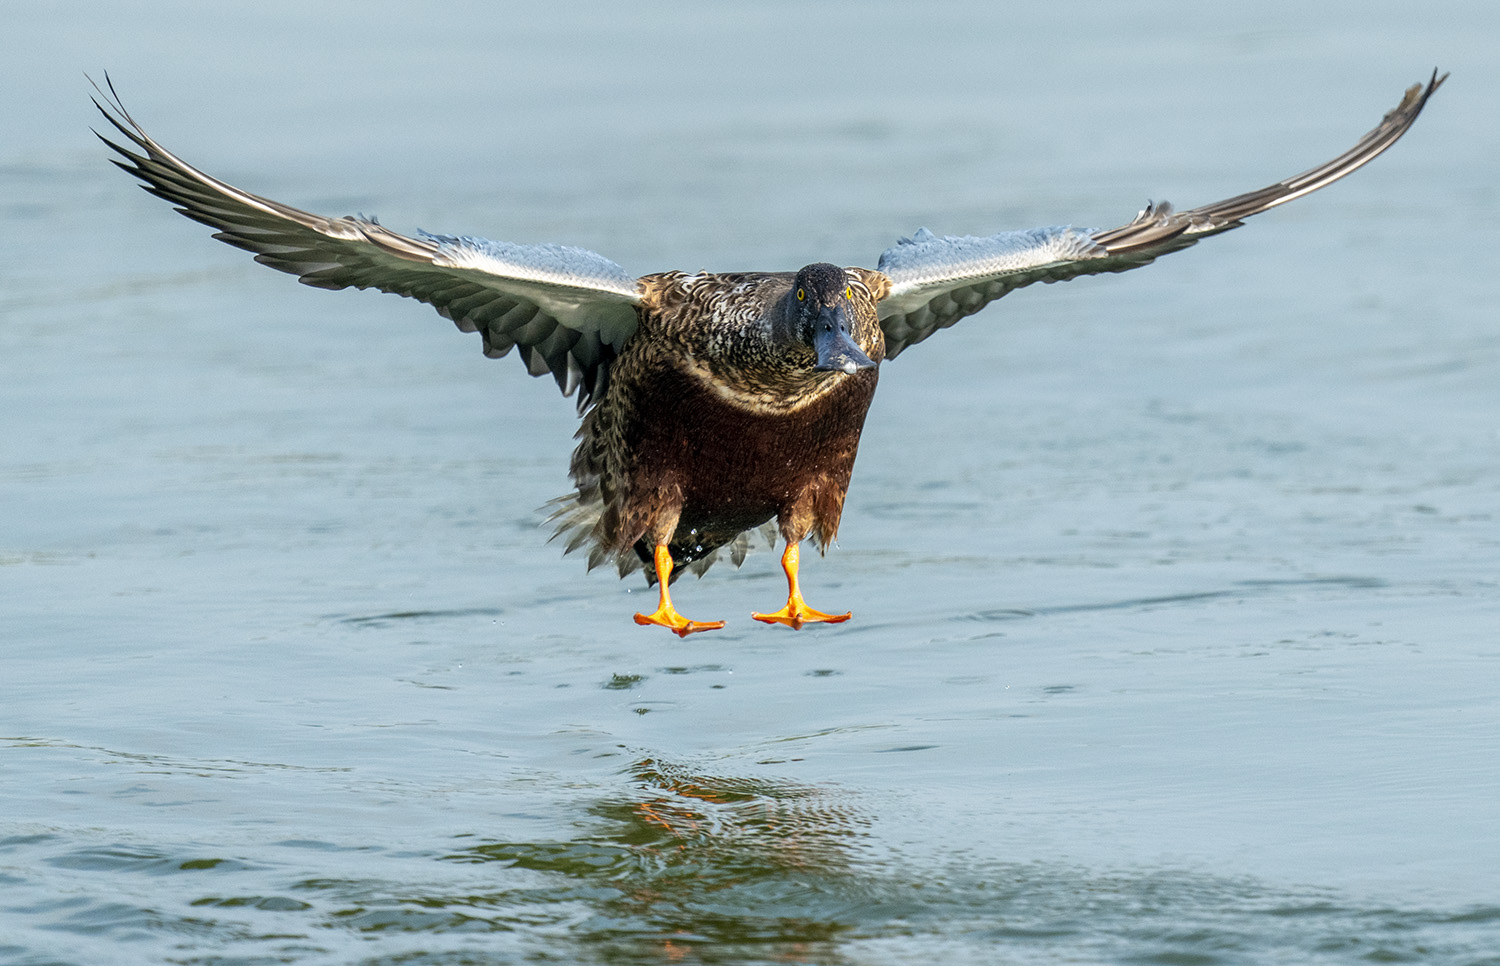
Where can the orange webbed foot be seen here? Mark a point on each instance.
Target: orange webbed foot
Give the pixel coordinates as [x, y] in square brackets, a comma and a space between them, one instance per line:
[796, 613]
[669, 618]
[665, 614]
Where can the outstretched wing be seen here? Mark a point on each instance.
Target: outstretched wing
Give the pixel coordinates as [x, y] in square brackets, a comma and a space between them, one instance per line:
[568, 310]
[937, 281]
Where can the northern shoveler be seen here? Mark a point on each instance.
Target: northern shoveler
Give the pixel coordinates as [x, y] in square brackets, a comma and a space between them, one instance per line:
[712, 404]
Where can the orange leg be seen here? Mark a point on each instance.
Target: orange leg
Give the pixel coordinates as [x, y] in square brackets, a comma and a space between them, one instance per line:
[665, 614]
[796, 612]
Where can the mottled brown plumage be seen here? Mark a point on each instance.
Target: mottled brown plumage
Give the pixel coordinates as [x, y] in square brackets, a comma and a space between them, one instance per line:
[711, 426]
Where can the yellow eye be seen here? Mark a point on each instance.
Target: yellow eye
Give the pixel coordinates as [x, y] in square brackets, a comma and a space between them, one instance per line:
[849, 292]
[801, 295]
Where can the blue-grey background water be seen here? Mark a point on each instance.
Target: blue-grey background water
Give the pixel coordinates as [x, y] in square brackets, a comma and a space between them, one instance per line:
[1175, 592]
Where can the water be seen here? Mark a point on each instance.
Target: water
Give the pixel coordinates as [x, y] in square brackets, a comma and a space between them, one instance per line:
[1175, 592]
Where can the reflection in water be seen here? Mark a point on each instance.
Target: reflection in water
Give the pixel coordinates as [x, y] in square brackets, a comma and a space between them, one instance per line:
[681, 866]
[695, 862]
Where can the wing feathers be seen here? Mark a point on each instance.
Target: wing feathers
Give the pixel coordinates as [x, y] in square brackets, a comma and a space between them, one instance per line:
[568, 309]
[937, 281]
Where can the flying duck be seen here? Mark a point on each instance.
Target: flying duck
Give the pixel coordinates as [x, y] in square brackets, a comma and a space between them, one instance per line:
[712, 404]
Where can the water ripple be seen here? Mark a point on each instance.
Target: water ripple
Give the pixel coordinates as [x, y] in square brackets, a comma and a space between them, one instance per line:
[689, 864]
[1242, 590]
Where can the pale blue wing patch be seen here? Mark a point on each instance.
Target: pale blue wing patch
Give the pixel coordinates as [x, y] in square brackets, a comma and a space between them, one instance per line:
[935, 281]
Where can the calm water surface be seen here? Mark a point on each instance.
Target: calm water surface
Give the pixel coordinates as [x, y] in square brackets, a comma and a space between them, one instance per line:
[1176, 593]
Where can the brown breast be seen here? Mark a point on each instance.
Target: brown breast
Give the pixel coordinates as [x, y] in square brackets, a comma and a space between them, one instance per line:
[737, 467]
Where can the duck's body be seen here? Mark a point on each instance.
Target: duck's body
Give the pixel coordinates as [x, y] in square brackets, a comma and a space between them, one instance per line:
[717, 420]
[712, 404]
[711, 426]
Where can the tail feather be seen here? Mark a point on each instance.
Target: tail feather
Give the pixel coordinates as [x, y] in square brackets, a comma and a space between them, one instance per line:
[576, 521]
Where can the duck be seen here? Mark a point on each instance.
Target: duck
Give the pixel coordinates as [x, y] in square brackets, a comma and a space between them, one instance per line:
[713, 406]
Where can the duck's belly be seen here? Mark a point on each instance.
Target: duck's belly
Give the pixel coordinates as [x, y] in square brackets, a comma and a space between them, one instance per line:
[737, 467]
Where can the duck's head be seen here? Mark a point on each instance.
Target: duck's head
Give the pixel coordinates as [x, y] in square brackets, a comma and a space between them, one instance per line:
[821, 307]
